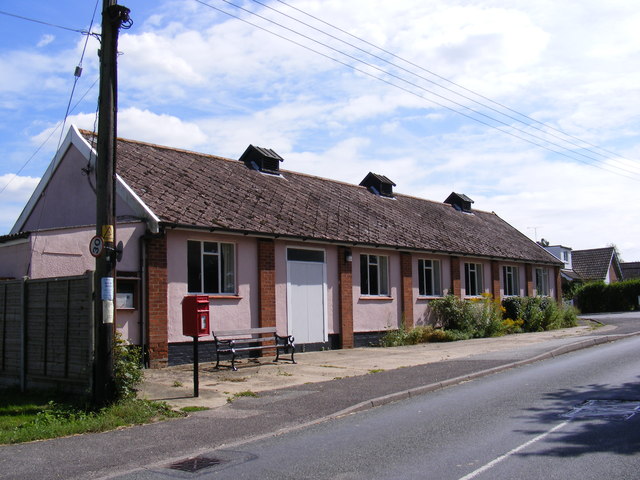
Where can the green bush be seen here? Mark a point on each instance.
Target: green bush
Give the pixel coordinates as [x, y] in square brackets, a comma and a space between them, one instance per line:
[127, 368]
[420, 334]
[484, 317]
[513, 307]
[597, 297]
[481, 317]
[452, 313]
[538, 314]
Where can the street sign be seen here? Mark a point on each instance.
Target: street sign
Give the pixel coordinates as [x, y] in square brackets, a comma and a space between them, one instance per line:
[96, 246]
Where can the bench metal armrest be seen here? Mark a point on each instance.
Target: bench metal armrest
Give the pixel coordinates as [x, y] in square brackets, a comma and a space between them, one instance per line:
[286, 339]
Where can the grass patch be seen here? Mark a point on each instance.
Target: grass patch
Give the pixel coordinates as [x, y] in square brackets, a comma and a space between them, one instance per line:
[193, 408]
[234, 379]
[34, 416]
[376, 370]
[246, 393]
[285, 374]
[177, 384]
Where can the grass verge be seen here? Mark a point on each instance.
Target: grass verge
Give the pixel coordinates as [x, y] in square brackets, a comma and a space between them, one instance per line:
[34, 416]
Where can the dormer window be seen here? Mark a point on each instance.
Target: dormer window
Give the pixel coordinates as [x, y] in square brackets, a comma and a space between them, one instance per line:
[459, 201]
[378, 184]
[262, 159]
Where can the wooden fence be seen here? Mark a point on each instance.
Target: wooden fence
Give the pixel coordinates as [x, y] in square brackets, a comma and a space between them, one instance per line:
[47, 333]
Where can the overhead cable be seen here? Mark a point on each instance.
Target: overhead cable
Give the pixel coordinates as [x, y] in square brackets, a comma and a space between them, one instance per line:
[562, 147]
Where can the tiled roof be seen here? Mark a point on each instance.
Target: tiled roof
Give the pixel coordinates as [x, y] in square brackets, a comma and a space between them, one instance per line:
[14, 236]
[630, 270]
[592, 264]
[193, 189]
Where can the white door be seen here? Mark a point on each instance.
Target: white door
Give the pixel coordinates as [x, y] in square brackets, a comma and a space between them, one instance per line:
[306, 295]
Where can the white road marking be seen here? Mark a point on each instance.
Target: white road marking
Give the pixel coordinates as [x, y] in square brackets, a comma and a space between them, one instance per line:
[493, 463]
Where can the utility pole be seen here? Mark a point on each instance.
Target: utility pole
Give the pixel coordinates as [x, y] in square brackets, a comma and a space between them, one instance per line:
[113, 17]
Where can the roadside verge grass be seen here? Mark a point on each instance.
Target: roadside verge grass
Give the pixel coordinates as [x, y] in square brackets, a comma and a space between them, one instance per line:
[34, 416]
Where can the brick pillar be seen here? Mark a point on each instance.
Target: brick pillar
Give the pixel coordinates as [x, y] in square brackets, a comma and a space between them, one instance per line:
[157, 312]
[345, 272]
[495, 279]
[528, 273]
[556, 271]
[406, 274]
[266, 282]
[456, 285]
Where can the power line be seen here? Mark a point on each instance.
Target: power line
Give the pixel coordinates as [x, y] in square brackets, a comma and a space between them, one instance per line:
[543, 128]
[434, 74]
[77, 73]
[419, 87]
[84, 32]
[54, 130]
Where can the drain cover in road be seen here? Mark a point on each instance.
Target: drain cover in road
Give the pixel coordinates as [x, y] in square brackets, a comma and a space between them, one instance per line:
[605, 410]
[195, 464]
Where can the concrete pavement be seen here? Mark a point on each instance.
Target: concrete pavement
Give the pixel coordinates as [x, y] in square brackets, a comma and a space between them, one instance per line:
[219, 386]
[323, 385]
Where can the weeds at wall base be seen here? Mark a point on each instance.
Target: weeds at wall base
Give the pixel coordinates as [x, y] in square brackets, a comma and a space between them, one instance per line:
[483, 317]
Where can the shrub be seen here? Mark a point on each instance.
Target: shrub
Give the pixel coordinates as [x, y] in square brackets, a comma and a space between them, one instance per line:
[420, 334]
[480, 317]
[452, 313]
[513, 307]
[537, 314]
[127, 368]
[510, 326]
[616, 297]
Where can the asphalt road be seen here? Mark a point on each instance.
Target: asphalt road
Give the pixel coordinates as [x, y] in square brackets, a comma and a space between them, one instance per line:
[563, 418]
[154, 447]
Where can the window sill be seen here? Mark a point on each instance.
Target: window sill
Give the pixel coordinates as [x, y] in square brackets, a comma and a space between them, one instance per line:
[429, 297]
[225, 297]
[376, 297]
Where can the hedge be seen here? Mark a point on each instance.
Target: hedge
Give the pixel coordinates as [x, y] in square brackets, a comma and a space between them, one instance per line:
[596, 297]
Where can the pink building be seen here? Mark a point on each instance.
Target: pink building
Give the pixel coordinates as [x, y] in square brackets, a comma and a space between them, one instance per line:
[333, 264]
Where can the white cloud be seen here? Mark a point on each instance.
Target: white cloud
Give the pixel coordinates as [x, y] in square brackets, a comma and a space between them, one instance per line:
[16, 191]
[148, 126]
[45, 40]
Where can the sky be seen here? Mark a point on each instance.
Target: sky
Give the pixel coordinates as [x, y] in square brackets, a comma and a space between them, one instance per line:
[529, 108]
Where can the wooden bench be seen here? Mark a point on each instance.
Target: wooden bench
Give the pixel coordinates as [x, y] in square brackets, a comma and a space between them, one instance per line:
[231, 342]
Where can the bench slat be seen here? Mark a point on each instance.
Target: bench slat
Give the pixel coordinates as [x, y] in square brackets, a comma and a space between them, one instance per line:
[228, 342]
[253, 340]
[246, 331]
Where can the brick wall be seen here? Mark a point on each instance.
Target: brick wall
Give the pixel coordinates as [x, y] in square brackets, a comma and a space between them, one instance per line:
[558, 278]
[495, 279]
[406, 274]
[528, 273]
[157, 313]
[456, 284]
[345, 272]
[267, 282]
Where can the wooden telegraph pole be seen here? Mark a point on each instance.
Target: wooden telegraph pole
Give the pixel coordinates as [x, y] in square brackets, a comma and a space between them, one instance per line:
[113, 17]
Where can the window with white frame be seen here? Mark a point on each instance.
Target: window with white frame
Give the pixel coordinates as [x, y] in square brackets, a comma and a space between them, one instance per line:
[374, 275]
[510, 279]
[542, 282]
[473, 279]
[211, 267]
[429, 283]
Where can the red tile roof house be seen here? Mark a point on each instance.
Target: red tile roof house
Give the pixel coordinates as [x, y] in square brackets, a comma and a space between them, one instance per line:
[331, 263]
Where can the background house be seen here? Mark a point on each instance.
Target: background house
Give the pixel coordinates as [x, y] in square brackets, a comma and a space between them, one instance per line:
[334, 264]
[630, 270]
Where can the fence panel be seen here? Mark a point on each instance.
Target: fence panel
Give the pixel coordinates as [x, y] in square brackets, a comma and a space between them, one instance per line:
[53, 345]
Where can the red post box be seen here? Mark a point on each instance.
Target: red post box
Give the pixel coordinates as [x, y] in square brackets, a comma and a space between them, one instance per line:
[195, 316]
